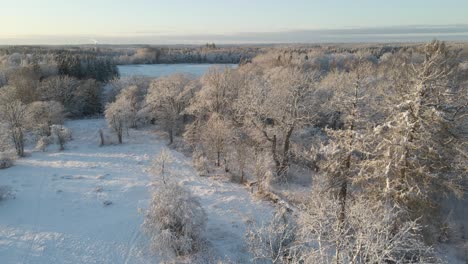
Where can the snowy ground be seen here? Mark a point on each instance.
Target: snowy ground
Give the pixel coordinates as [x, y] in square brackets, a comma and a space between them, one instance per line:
[59, 216]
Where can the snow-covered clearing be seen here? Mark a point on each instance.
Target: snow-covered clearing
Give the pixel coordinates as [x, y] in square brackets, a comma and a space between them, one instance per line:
[59, 213]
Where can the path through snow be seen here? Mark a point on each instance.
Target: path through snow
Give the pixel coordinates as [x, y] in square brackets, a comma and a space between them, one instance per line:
[59, 215]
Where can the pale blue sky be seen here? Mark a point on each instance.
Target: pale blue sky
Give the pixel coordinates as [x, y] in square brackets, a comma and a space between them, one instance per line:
[145, 20]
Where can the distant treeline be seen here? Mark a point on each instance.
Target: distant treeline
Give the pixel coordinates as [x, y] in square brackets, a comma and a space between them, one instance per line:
[102, 69]
[209, 53]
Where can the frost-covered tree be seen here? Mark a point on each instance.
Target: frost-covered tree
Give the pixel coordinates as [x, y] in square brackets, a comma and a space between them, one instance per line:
[241, 155]
[217, 94]
[44, 114]
[14, 114]
[118, 115]
[368, 234]
[217, 135]
[26, 82]
[60, 89]
[174, 221]
[415, 152]
[340, 157]
[167, 98]
[115, 87]
[161, 166]
[87, 98]
[274, 105]
[130, 94]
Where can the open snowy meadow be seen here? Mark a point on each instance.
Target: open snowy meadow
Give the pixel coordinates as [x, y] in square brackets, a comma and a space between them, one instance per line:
[86, 204]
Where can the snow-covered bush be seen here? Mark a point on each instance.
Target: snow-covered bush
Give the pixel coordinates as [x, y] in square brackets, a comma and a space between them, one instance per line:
[43, 143]
[275, 242]
[174, 221]
[5, 192]
[200, 162]
[62, 135]
[5, 161]
[263, 172]
[59, 135]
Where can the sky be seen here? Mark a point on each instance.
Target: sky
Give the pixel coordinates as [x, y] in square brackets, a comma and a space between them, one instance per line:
[233, 21]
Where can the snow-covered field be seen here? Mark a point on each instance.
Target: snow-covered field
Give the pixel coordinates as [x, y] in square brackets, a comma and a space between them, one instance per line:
[59, 213]
[158, 70]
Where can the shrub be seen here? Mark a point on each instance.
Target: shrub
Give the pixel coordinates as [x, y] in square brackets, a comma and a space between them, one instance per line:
[200, 162]
[174, 221]
[62, 135]
[5, 162]
[161, 166]
[275, 242]
[5, 192]
[43, 143]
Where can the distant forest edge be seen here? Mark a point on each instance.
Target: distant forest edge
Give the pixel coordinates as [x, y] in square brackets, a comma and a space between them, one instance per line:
[209, 53]
[124, 55]
[75, 76]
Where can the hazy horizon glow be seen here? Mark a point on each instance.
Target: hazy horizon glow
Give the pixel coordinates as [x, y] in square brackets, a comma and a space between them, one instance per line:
[241, 21]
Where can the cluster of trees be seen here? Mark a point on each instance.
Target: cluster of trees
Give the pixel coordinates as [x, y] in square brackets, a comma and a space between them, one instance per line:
[42, 120]
[382, 131]
[84, 67]
[392, 142]
[39, 89]
[79, 97]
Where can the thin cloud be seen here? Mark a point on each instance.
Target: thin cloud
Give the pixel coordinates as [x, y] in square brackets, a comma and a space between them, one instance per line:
[416, 33]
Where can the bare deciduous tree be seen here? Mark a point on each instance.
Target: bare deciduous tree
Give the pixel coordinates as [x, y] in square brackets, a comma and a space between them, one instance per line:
[168, 97]
[44, 114]
[369, 233]
[274, 106]
[118, 116]
[217, 134]
[161, 165]
[14, 113]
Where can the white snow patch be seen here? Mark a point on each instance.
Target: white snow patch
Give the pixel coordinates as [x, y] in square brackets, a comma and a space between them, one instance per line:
[58, 215]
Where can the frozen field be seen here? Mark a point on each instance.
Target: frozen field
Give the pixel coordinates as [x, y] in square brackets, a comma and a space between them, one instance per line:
[59, 213]
[157, 70]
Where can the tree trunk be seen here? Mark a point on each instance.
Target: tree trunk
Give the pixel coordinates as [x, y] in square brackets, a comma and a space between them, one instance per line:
[101, 135]
[284, 165]
[18, 139]
[119, 135]
[171, 136]
[226, 165]
[273, 152]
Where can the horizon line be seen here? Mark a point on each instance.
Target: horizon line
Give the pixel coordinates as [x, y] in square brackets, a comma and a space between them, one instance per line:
[387, 34]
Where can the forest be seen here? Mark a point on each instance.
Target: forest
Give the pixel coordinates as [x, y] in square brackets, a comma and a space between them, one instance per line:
[361, 150]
